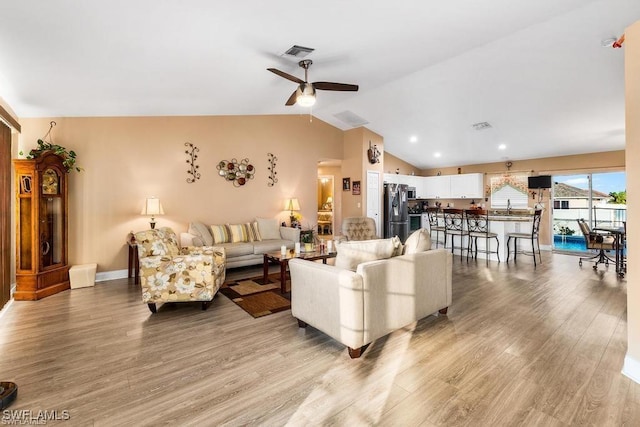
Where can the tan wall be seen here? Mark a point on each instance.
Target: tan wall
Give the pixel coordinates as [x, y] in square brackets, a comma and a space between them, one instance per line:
[129, 159]
[391, 163]
[632, 90]
[352, 169]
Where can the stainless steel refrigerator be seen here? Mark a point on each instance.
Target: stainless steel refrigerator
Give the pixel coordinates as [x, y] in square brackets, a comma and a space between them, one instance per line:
[396, 211]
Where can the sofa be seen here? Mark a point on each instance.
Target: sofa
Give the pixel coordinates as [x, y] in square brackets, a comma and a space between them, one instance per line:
[172, 274]
[360, 300]
[244, 244]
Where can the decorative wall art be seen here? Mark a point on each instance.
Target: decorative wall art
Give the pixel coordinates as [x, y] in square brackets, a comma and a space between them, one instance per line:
[271, 179]
[373, 154]
[236, 172]
[192, 155]
[356, 188]
[346, 184]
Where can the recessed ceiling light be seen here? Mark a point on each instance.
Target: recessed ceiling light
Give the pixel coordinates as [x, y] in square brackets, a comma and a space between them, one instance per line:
[413, 138]
[502, 146]
[437, 154]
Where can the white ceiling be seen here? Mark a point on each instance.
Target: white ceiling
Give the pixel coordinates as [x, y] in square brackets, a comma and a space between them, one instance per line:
[535, 70]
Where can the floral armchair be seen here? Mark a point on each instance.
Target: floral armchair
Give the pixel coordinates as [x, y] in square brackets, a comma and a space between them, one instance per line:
[171, 274]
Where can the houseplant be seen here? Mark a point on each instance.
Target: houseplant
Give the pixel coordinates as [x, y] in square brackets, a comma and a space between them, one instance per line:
[307, 237]
[68, 156]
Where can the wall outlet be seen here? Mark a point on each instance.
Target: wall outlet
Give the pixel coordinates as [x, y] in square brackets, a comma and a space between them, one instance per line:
[358, 204]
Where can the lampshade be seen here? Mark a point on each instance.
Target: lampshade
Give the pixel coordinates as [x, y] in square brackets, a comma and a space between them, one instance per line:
[305, 95]
[152, 206]
[329, 199]
[292, 205]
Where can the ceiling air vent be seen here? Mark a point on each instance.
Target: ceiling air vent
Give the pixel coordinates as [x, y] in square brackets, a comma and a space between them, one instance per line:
[481, 125]
[298, 51]
[351, 118]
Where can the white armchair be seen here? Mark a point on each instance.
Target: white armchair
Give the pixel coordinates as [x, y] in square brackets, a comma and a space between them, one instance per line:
[356, 308]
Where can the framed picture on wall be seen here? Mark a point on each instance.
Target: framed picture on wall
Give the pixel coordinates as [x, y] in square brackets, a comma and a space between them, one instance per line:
[346, 184]
[356, 188]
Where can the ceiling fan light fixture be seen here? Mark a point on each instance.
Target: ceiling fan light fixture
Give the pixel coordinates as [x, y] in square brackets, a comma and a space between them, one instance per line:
[305, 95]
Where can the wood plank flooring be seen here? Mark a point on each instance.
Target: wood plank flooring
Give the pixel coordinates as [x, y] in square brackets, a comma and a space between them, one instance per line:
[518, 347]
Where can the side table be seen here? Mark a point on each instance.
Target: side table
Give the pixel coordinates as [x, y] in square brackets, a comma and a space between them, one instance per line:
[134, 263]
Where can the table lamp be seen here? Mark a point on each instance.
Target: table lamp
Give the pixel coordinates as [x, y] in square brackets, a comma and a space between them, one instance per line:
[153, 207]
[292, 205]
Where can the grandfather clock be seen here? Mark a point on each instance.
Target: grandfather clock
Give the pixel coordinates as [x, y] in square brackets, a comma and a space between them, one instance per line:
[41, 227]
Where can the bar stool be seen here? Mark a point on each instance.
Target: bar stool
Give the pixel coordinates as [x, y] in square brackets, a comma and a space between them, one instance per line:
[454, 226]
[478, 226]
[533, 237]
[432, 214]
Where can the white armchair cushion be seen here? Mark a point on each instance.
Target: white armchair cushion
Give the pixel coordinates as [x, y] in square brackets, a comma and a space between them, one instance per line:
[352, 253]
[419, 241]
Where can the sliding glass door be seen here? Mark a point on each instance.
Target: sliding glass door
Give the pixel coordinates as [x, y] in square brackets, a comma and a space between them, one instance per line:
[598, 198]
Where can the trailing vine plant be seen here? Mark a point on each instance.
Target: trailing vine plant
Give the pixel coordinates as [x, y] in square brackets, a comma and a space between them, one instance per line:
[68, 156]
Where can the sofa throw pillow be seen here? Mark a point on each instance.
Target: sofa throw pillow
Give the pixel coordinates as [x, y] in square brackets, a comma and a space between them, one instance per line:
[202, 232]
[239, 233]
[354, 252]
[419, 241]
[254, 233]
[268, 228]
[397, 243]
[220, 234]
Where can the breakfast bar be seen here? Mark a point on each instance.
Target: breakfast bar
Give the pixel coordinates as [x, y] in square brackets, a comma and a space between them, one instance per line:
[501, 223]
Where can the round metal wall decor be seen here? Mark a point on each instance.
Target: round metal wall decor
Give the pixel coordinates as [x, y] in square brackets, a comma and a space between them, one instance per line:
[236, 172]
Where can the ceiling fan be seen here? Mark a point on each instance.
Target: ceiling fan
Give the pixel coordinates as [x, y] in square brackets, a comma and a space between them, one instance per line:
[305, 94]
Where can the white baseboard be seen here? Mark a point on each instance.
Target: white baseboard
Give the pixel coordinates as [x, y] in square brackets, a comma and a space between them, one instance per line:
[111, 275]
[631, 368]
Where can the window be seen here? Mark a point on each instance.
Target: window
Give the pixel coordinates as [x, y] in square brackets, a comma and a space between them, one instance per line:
[564, 204]
[510, 190]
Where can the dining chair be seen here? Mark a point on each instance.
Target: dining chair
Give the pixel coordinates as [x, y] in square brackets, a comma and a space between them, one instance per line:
[478, 226]
[454, 226]
[598, 241]
[434, 225]
[532, 237]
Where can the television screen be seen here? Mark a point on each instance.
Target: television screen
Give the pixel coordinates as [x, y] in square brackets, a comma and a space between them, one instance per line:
[541, 181]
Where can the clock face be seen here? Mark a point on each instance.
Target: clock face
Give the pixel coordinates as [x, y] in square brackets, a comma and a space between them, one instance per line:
[49, 182]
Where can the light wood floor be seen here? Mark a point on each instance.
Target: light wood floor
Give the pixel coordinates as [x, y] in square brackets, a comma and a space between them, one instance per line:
[518, 347]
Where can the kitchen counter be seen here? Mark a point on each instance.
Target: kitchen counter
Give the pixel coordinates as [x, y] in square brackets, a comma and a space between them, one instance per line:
[502, 224]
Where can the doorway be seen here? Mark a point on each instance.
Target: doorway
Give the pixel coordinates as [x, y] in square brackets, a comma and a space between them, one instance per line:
[325, 206]
[374, 199]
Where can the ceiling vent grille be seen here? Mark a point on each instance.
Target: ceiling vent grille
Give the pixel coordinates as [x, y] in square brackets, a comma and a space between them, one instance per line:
[481, 125]
[351, 118]
[298, 51]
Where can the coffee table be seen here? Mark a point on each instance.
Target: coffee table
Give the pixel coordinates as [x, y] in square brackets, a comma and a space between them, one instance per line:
[283, 260]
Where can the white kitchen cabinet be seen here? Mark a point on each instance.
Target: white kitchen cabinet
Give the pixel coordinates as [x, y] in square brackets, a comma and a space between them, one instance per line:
[391, 178]
[438, 187]
[421, 187]
[467, 186]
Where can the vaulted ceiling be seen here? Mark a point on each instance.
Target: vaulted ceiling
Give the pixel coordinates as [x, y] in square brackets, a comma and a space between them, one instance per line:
[536, 71]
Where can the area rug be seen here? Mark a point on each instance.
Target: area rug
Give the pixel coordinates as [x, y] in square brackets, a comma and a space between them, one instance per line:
[257, 297]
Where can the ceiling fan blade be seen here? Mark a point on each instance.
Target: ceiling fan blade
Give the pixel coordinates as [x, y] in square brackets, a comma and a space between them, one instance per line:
[335, 86]
[292, 98]
[285, 75]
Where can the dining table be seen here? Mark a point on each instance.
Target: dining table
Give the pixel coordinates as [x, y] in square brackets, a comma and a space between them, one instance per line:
[619, 234]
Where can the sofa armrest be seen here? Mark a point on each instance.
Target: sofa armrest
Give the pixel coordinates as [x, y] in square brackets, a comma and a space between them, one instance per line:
[329, 299]
[290, 233]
